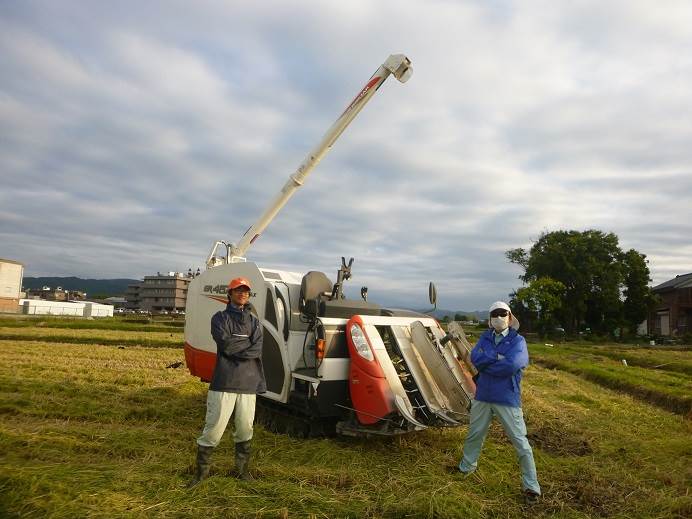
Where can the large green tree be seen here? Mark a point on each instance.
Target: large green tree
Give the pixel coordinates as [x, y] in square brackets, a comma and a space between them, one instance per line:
[596, 275]
[639, 299]
[541, 299]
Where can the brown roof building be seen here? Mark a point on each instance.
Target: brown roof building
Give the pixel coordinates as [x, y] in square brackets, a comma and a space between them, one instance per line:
[55, 294]
[673, 314]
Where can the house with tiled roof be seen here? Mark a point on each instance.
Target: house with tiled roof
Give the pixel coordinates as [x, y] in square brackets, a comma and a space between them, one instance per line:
[673, 314]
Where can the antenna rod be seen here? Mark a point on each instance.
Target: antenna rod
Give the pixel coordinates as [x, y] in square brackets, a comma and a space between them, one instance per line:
[398, 65]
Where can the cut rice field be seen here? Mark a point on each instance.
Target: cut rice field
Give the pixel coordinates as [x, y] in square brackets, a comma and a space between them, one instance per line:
[118, 337]
[657, 376]
[142, 324]
[677, 359]
[94, 430]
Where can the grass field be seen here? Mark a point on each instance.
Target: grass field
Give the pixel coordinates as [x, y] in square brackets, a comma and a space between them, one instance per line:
[94, 430]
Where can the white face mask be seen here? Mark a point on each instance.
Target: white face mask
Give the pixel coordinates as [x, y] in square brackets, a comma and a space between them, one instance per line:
[499, 323]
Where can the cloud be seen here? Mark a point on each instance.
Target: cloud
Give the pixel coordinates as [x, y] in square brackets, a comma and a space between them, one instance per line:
[132, 136]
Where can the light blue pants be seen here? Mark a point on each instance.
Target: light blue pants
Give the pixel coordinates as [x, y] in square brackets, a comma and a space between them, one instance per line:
[220, 407]
[512, 420]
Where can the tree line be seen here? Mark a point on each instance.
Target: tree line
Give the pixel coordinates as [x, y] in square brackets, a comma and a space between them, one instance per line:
[581, 280]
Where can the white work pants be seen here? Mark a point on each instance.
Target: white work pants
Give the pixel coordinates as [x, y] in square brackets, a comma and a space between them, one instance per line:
[220, 407]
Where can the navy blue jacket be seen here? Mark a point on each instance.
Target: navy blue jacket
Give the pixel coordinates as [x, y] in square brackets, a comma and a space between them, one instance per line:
[238, 336]
[500, 368]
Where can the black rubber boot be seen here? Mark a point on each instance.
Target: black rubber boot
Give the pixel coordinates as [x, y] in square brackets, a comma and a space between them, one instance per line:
[530, 497]
[203, 465]
[242, 460]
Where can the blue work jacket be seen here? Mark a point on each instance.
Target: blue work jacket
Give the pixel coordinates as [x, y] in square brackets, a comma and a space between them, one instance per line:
[500, 368]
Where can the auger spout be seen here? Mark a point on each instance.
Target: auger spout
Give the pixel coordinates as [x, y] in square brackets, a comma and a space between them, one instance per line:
[397, 65]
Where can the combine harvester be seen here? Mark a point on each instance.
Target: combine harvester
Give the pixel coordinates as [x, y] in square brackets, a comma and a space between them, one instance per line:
[334, 364]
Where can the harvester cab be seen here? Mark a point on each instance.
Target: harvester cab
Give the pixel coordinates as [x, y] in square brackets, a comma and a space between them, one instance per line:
[334, 364]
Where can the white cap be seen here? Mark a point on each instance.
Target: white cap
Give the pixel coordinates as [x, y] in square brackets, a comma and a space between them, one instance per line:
[514, 322]
[499, 304]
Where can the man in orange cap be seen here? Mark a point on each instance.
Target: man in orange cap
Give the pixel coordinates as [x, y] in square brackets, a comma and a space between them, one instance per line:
[238, 378]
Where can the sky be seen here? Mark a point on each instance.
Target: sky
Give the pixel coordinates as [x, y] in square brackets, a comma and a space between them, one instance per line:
[135, 134]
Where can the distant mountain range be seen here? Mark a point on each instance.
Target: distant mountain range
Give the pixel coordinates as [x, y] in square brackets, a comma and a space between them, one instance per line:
[105, 287]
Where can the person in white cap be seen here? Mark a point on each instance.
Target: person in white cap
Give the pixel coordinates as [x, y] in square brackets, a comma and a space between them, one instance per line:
[500, 357]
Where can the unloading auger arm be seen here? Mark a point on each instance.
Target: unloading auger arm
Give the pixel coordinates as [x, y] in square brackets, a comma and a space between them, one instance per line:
[396, 64]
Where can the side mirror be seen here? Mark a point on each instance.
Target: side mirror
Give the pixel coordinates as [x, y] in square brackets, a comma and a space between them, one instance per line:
[432, 295]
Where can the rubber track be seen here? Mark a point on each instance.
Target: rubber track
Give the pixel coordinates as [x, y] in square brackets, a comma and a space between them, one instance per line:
[279, 418]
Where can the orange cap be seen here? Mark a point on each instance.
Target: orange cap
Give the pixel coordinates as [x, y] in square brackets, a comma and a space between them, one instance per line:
[238, 282]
